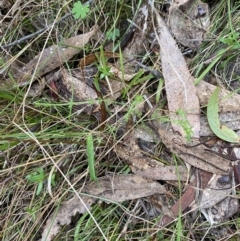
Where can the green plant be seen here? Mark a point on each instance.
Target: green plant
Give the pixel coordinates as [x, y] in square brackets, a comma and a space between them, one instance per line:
[103, 68]
[38, 176]
[79, 10]
[231, 40]
[134, 107]
[91, 157]
[183, 122]
[113, 35]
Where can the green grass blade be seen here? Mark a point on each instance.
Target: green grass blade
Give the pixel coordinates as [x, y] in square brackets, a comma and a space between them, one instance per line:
[91, 158]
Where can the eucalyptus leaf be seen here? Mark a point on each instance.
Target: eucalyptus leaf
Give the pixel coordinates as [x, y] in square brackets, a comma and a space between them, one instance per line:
[219, 130]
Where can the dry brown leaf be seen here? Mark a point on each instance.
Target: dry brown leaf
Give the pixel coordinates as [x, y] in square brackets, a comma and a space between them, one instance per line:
[76, 84]
[63, 215]
[144, 166]
[195, 153]
[189, 21]
[92, 58]
[120, 75]
[52, 57]
[215, 202]
[136, 46]
[181, 92]
[229, 101]
[213, 193]
[186, 199]
[120, 188]
[222, 211]
[164, 173]
[116, 188]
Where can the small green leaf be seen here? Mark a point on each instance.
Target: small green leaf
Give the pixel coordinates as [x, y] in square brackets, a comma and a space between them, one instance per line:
[39, 188]
[79, 10]
[91, 159]
[36, 176]
[219, 130]
[183, 122]
[113, 35]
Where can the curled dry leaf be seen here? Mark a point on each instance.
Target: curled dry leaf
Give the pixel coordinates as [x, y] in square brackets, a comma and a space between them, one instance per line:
[52, 57]
[181, 92]
[116, 188]
[222, 211]
[77, 86]
[189, 21]
[195, 153]
[63, 216]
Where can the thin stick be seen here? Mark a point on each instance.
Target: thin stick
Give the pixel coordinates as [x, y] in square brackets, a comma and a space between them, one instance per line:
[34, 34]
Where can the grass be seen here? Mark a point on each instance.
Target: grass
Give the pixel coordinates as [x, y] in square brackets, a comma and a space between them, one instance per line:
[43, 142]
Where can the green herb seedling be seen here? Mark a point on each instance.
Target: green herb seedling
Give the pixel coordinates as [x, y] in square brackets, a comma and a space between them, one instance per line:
[133, 109]
[183, 122]
[79, 10]
[113, 35]
[103, 68]
[38, 177]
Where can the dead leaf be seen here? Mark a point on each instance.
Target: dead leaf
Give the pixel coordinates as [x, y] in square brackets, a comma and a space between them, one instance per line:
[189, 21]
[119, 188]
[120, 75]
[222, 211]
[215, 202]
[92, 58]
[36, 88]
[213, 193]
[181, 92]
[115, 188]
[63, 215]
[136, 45]
[229, 101]
[78, 87]
[164, 173]
[52, 57]
[195, 153]
[143, 165]
[186, 199]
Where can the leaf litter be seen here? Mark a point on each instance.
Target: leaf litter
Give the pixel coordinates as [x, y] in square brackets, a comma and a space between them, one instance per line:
[180, 89]
[115, 188]
[52, 57]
